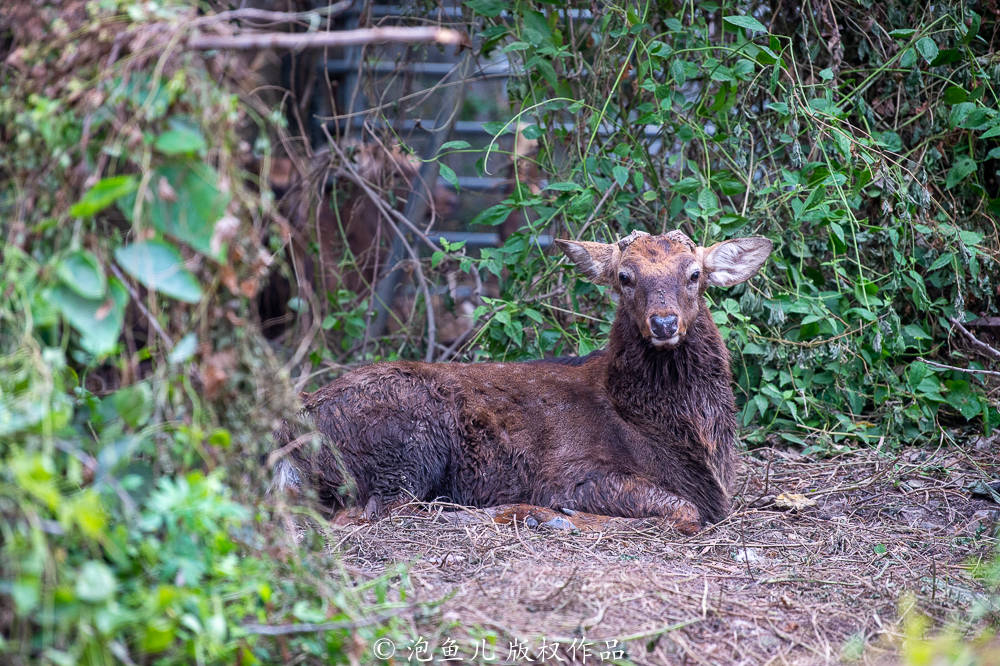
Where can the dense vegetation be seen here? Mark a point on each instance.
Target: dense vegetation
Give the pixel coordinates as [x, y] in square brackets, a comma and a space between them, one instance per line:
[138, 230]
[867, 146]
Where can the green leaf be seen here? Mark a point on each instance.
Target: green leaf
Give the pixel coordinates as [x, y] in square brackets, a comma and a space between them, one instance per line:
[564, 187]
[489, 8]
[95, 582]
[748, 22]
[99, 321]
[942, 260]
[516, 46]
[497, 128]
[582, 204]
[159, 266]
[955, 94]
[959, 113]
[970, 237]
[134, 404]
[183, 349]
[184, 138]
[454, 145]
[448, 174]
[103, 194]
[708, 201]
[679, 71]
[536, 29]
[928, 49]
[84, 510]
[907, 58]
[916, 332]
[960, 170]
[492, 216]
[916, 373]
[186, 203]
[81, 272]
[991, 132]
[26, 592]
[621, 175]
[221, 438]
[960, 396]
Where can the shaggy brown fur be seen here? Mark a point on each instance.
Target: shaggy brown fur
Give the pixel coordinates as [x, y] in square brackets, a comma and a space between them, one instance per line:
[643, 428]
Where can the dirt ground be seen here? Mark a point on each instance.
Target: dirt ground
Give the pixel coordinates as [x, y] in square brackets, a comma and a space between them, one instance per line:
[820, 584]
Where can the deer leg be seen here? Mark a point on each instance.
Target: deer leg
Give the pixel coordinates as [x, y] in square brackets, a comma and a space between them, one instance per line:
[685, 521]
[628, 496]
[532, 516]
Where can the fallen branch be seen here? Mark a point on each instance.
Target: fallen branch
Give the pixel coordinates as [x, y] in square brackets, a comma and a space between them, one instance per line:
[272, 17]
[297, 41]
[976, 342]
[971, 371]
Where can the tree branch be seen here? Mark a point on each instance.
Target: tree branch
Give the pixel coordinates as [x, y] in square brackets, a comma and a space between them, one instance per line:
[971, 371]
[267, 16]
[976, 342]
[316, 40]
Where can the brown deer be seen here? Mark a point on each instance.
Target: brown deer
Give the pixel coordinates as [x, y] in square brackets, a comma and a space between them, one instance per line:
[642, 428]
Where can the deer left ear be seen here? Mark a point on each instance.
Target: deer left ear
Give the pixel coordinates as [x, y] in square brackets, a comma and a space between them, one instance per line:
[733, 261]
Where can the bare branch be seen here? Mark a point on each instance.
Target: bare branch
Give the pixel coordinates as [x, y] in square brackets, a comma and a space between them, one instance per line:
[976, 342]
[317, 40]
[268, 16]
[389, 212]
[142, 308]
[971, 371]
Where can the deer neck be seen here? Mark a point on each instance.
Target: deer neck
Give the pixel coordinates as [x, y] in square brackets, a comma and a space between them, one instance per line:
[658, 390]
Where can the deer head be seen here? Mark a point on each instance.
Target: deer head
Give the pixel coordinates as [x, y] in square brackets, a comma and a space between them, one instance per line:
[661, 279]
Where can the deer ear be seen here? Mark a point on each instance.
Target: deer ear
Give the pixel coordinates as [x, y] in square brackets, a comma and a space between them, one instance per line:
[733, 261]
[596, 260]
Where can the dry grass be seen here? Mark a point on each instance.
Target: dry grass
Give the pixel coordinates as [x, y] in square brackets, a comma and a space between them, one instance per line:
[818, 585]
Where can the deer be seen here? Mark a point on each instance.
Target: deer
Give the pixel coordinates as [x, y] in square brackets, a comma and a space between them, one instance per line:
[644, 428]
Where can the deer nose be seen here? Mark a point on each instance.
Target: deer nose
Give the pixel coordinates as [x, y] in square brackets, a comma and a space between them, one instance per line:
[663, 327]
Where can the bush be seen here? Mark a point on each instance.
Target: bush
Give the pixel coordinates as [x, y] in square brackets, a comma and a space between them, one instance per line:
[134, 403]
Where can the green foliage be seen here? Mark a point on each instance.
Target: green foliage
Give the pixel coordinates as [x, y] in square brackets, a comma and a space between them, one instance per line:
[133, 407]
[653, 119]
[159, 266]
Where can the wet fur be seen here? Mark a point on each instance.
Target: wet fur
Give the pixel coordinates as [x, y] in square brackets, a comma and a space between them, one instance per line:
[628, 431]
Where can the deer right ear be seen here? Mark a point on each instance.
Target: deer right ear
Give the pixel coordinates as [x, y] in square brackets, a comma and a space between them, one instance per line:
[596, 260]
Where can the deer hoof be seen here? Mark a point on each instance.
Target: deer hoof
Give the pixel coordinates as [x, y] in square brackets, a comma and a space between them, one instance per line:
[559, 523]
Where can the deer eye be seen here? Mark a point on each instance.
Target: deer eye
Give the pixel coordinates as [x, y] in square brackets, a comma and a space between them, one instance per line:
[695, 276]
[624, 278]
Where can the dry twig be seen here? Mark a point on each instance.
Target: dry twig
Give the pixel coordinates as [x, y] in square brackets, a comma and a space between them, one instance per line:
[976, 342]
